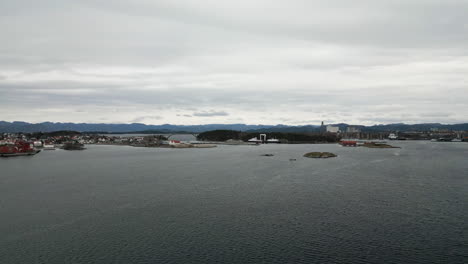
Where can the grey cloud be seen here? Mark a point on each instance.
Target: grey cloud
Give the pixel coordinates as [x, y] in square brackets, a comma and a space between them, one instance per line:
[143, 118]
[210, 113]
[263, 61]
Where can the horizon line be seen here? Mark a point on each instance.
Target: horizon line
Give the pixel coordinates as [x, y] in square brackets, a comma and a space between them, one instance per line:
[246, 124]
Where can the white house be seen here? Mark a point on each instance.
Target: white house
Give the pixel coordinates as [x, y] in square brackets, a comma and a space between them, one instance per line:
[333, 129]
[353, 129]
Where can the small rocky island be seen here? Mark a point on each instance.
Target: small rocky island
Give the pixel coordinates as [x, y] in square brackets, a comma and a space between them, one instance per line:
[320, 155]
[377, 145]
[73, 146]
[188, 145]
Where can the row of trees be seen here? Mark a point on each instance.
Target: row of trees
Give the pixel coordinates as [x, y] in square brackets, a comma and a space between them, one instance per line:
[224, 135]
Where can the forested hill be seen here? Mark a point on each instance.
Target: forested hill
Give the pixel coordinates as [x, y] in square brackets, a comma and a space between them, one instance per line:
[15, 127]
[224, 135]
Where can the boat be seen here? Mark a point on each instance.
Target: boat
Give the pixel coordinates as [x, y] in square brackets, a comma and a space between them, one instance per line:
[263, 139]
[444, 139]
[273, 140]
[348, 143]
[49, 147]
[18, 148]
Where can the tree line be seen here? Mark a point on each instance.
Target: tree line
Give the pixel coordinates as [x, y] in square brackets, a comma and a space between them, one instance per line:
[224, 135]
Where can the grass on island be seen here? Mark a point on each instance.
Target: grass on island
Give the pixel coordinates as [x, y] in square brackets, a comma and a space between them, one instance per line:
[378, 145]
[320, 155]
[183, 145]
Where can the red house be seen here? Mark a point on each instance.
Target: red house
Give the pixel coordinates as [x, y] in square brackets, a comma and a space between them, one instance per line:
[348, 143]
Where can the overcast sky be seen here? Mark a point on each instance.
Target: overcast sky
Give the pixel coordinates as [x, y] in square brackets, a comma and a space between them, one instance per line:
[290, 62]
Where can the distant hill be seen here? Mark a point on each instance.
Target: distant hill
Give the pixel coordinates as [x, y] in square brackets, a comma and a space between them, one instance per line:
[416, 127]
[224, 135]
[287, 129]
[14, 127]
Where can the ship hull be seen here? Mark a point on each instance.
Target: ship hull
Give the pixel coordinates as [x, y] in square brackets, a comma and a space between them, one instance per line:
[5, 155]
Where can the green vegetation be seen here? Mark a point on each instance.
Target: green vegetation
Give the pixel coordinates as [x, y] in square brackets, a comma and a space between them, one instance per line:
[377, 145]
[219, 135]
[296, 137]
[63, 133]
[138, 132]
[224, 135]
[73, 146]
[320, 155]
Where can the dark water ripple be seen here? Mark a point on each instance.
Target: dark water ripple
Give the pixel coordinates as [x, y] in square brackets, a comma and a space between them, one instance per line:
[230, 205]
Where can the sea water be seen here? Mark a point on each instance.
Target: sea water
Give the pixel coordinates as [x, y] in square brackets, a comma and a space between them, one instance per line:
[121, 204]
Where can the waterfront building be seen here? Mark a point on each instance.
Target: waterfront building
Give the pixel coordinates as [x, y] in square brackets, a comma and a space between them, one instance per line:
[174, 142]
[333, 129]
[323, 129]
[348, 143]
[353, 129]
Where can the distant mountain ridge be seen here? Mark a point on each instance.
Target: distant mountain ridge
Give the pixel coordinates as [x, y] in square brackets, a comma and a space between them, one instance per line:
[17, 126]
[400, 127]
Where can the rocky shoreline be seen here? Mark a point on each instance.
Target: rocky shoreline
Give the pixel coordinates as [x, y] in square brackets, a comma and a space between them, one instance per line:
[378, 145]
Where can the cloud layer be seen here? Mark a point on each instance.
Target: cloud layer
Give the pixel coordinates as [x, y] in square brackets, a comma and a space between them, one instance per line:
[191, 62]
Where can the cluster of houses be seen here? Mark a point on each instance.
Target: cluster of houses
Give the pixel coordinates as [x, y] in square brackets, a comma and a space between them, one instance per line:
[433, 134]
[45, 140]
[138, 141]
